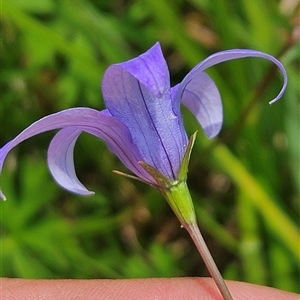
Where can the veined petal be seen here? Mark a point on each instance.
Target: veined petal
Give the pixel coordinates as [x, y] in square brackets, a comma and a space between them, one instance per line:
[106, 127]
[188, 92]
[137, 92]
[151, 70]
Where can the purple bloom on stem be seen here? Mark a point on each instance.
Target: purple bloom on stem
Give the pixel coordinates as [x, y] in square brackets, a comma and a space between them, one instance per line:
[142, 122]
[143, 126]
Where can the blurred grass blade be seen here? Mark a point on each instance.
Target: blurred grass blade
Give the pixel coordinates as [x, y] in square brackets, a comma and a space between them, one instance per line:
[276, 218]
[89, 65]
[251, 247]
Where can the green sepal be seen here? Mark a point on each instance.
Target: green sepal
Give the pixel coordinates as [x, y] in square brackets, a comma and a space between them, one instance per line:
[176, 193]
[182, 174]
[163, 182]
[129, 176]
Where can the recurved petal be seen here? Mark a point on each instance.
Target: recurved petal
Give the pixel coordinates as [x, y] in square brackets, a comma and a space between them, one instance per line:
[195, 76]
[223, 56]
[61, 151]
[61, 161]
[69, 117]
[102, 125]
[202, 98]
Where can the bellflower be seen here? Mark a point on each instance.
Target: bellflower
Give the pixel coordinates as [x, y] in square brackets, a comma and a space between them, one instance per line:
[142, 124]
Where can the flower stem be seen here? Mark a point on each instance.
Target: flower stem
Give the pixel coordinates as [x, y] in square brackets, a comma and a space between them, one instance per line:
[197, 237]
[179, 198]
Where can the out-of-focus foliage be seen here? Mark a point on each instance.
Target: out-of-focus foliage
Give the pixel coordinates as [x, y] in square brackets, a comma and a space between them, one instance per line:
[245, 184]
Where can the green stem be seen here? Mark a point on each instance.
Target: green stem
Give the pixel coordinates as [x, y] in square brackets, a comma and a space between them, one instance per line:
[179, 198]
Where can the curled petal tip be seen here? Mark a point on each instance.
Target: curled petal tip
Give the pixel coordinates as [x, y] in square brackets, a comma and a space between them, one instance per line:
[282, 69]
[227, 55]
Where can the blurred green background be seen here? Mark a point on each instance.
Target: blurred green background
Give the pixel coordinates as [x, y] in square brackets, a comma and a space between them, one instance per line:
[245, 183]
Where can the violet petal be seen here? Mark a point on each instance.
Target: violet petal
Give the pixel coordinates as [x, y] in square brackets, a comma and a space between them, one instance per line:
[137, 92]
[61, 162]
[202, 98]
[106, 127]
[212, 119]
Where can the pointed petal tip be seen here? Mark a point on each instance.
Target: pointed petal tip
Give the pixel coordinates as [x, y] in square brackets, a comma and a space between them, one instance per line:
[280, 93]
[2, 196]
[212, 130]
[83, 192]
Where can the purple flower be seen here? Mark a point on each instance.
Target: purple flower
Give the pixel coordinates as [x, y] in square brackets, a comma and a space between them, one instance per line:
[142, 122]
